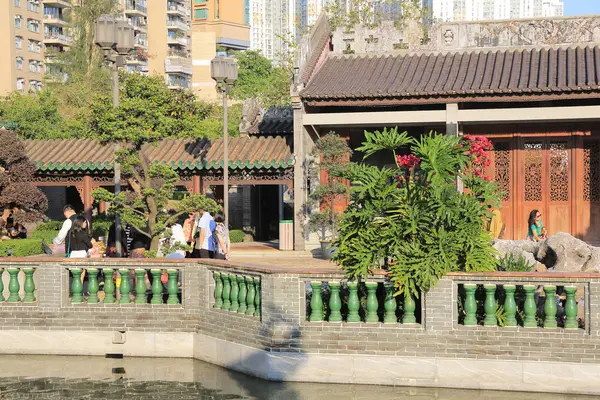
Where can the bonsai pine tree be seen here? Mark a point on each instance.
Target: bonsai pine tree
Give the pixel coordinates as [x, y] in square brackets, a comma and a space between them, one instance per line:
[334, 155]
[18, 197]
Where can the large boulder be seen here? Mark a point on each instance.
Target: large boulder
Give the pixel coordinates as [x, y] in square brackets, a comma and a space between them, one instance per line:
[564, 253]
[517, 248]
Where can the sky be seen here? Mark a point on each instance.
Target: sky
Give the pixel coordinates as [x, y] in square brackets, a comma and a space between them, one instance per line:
[581, 7]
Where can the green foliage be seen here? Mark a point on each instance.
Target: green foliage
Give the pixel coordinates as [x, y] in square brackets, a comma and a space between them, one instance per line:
[47, 235]
[371, 13]
[411, 220]
[49, 226]
[236, 236]
[21, 247]
[334, 155]
[509, 264]
[259, 78]
[35, 114]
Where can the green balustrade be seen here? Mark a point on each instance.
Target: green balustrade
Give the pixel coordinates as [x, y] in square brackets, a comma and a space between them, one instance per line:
[409, 309]
[353, 303]
[335, 303]
[389, 304]
[235, 293]
[243, 294]
[157, 287]
[510, 306]
[550, 307]
[124, 288]
[227, 292]
[93, 287]
[470, 304]
[218, 290]
[76, 286]
[172, 288]
[372, 303]
[529, 307]
[571, 308]
[29, 286]
[316, 302]
[257, 299]
[250, 297]
[109, 286]
[1, 285]
[490, 305]
[140, 286]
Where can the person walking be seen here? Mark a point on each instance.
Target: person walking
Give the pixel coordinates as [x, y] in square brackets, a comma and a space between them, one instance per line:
[204, 246]
[222, 244]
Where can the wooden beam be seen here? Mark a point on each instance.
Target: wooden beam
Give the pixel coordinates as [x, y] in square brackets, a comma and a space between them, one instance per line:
[379, 118]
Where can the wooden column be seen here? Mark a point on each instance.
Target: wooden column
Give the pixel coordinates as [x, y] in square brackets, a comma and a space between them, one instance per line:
[102, 207]
[87, 197]
[197, 187]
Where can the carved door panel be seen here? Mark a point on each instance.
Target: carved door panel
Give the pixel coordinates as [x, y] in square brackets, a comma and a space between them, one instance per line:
[588, 196]
[558, 173]
[502, 171]
[531, 183]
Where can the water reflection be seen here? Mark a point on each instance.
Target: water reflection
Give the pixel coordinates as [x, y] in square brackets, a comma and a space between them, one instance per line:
[61, 377]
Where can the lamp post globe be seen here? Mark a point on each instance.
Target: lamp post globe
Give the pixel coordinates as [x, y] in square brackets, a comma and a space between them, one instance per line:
[218, 69]
[105, 32]
[232, 72]
[124, 37]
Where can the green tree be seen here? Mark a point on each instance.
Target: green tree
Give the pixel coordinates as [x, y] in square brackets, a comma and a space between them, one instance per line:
[148, 113]
[370, 13]
[35, 114]
[411, 220]
[259, 78]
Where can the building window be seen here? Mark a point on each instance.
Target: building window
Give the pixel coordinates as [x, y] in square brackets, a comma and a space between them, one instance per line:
[20, 84]
[33, 5]
[217, 10]
[34, 46]
[247, 12]
[35, 85]
[18, 20]
[201, 13]
[33, 25]
[201, 2]
[35, 66]
[17, 3]
[18, 41]
[19, 63]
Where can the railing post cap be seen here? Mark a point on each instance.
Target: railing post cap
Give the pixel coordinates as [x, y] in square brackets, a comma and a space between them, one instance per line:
[470, 285]
[490, 286]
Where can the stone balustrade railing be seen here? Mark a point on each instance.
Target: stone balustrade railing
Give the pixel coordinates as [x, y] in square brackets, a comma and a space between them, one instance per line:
[15, 287]
[237, 293]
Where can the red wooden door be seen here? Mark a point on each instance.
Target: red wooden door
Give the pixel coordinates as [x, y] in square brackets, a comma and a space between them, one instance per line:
[588, 192]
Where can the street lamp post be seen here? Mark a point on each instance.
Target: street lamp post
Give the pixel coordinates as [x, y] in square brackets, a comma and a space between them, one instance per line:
[115, 35]
[224, 70]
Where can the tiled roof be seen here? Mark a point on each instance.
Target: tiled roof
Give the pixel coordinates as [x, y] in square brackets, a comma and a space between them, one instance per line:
[495, 75]
[318, 37]
[276, 121]
[181, 154]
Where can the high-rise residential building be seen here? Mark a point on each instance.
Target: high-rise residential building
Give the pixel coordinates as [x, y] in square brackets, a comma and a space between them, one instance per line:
[272, 26]
[162, 39]
[217, 27]
[475, 10]
[31, 32]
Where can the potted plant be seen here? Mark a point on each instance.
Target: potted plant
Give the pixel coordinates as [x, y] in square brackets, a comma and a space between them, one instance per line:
[333, 154]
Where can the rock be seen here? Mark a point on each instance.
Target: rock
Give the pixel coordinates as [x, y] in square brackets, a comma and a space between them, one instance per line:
[517, 248]
[593, 264]
[564, 253]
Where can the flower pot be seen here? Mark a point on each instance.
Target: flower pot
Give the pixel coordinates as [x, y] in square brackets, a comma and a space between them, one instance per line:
[328, 249]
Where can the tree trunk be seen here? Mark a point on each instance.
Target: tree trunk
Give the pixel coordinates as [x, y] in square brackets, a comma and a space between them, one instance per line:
[154, 244]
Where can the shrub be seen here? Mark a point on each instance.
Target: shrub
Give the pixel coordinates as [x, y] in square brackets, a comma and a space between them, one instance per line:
[48, 236]
[49, 226]
[236, 236]
[21, 247]
[509, 264]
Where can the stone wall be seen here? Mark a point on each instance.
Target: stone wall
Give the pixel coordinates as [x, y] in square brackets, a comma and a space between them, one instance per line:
[467, 35]
[283, 345]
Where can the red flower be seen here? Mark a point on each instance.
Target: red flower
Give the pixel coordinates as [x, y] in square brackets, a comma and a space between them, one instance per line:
[410, 161]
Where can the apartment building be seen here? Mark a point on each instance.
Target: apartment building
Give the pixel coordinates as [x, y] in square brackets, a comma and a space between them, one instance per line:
[273, 26]
[162, 39]
[32, 32]
[217, 28]
[476, 10]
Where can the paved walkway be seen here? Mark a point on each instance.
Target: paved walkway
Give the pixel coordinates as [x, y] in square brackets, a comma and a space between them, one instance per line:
[268, 253]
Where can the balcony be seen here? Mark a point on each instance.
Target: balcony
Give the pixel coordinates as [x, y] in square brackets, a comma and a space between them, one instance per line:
[57, 38]
[54, 19]
[178, 83]
[178, 9]
[134, 59]
[177, 24]
[181, 41]
[133, 8]
[140, 26]
[178, 53]
[57, 3]
[141, 42]
[178, 65]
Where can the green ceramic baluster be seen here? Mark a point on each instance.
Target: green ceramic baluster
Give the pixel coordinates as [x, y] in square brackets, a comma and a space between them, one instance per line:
[243, 293]
[510, 307]
[550, 307]
[140, 286]
[157, 287]
[409, 309]
[1, 286]
[571, 308]
[530, 308]
[372, 303]
[235, 293]
[470, 304]
[316, 302]
[124, 288]
[257, 297]
[490, 305]
[109, 286]
[250, 296]
[76, 286]
[218, 290]
[353, 302]
[93, 287]
[29, 286]
[335, 303]
[389, 304]
[172, 288]
[226, 292]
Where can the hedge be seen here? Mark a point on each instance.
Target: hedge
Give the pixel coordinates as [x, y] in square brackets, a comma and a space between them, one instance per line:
[48, 236]
[49, 226]
[236, 236]
[21, 247]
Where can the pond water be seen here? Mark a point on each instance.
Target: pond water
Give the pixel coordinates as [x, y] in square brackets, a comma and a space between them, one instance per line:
[62, 377]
